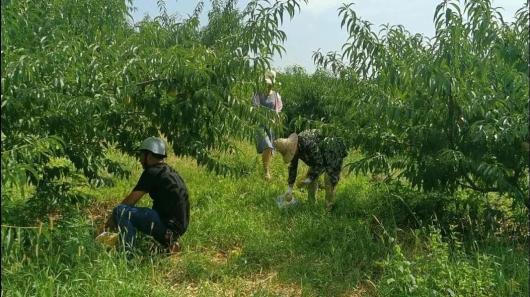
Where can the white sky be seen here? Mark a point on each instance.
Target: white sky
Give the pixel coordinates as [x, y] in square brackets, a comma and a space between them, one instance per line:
[317, 26]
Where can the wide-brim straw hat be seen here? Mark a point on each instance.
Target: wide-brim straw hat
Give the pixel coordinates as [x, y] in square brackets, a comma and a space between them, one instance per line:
[270, 77]
[287, 147]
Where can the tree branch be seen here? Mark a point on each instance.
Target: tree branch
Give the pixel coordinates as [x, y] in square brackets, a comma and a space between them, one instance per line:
[472, 185]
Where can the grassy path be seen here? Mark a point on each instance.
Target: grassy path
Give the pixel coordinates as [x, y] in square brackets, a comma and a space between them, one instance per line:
[240, 243]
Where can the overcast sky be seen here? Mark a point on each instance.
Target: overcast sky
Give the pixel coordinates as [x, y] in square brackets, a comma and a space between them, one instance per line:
[317, 26]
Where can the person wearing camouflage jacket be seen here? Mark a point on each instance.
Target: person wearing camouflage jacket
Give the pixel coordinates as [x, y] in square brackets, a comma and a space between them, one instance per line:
[321, 153]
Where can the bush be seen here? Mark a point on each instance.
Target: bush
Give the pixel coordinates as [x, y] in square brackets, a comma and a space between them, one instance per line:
[442, 270]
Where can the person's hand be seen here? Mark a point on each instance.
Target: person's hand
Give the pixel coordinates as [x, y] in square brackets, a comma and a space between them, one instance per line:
[305, 182]
[100, 229]
[174, 248]
[111, 224]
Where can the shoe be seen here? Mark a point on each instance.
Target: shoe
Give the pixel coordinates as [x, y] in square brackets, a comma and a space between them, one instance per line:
[108, 239]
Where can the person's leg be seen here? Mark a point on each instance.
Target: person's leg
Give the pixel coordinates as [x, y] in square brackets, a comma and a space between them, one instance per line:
[264, 146]
[330, 192]
[266, 157]
[312, 191]
[146, 220]
[333, 169]
[312, 187]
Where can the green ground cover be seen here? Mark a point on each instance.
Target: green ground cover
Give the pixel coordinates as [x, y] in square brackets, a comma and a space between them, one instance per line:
[377, 242]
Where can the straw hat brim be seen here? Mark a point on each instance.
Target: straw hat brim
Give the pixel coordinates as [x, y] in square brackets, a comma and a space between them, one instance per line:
[287, 147]
[270, 77]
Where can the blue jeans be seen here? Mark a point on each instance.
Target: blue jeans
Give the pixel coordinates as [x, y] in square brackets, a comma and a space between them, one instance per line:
[130, 218]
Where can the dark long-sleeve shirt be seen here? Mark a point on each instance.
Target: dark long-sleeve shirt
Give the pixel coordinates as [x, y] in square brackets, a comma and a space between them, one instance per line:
[169, 194]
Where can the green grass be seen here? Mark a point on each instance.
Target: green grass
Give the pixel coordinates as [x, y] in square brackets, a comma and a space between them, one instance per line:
[240, 244]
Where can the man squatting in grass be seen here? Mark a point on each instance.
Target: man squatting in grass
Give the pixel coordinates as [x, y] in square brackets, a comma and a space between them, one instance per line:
[169, 217]
[321, 154]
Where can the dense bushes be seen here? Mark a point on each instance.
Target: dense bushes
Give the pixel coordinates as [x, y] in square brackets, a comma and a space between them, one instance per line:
[445, 113]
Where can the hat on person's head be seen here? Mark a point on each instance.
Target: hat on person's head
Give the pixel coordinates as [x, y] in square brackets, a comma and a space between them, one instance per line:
[154, 145]
[287, 147]
[270, 77]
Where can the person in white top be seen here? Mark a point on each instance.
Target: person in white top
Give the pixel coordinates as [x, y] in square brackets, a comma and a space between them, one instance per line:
[265, 137]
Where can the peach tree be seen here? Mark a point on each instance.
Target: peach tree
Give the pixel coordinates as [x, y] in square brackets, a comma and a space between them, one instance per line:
[444, 113]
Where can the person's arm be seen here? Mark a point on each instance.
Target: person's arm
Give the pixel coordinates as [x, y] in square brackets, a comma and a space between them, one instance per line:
[255, 100]
[139, 190]
[293, 168]
[279, 103]
[133, 197]
[144, 185]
